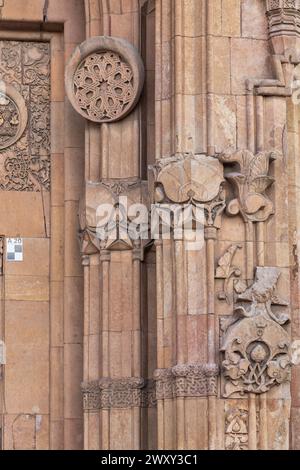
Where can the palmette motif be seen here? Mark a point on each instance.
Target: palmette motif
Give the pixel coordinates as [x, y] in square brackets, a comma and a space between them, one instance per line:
[250, 184]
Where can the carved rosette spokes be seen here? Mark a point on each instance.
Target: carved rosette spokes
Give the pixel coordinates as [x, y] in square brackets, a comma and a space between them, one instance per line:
[104, 79]
[250, 183]
[13, 115]
[256, 346]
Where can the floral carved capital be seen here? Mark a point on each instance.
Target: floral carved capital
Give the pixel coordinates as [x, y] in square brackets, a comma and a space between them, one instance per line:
[188, 179]
[250, 179]
[108, 212]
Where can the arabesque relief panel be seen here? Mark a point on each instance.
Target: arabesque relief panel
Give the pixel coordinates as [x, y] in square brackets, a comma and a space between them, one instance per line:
[24, 116]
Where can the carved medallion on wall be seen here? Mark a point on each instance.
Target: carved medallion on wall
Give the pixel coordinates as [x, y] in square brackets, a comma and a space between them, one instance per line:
[256, 344]
[104, 79]
[13, 115]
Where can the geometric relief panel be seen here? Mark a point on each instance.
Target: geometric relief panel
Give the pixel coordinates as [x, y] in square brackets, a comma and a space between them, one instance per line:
[24, 116]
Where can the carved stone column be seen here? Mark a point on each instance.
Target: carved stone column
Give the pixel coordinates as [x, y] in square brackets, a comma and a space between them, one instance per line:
[284, 32]
[104, 80]
[186, 187]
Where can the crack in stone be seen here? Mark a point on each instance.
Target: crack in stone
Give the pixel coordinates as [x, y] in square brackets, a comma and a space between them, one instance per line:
[45, 11]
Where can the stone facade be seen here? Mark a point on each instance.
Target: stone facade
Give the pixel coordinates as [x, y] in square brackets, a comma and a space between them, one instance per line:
[126, 117]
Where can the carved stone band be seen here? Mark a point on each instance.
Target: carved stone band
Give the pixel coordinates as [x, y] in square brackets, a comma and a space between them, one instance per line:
[13, 115]
[118, 393]
[275, 4]
[104, 79]
[284, 17]
[187, 380]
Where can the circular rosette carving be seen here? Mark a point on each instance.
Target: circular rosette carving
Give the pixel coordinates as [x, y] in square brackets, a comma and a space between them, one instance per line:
[13, 115]
[104, 79]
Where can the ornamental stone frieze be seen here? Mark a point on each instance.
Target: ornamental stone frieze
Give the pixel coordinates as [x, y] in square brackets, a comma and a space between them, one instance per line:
[186, 380]
[256, 345]
[108, 215]
[250, 182]
[104, 79]
[118, 393]
[284, 17]
[190, 179]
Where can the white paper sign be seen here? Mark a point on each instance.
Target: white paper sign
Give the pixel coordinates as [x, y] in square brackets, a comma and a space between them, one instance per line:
[14, 249]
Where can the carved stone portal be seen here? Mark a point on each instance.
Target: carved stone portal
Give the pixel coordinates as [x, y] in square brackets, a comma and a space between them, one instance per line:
[104, 79]
[256, 345]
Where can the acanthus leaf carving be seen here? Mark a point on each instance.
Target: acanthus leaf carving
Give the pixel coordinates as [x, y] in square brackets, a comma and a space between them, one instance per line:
[256, 346]
[250, 183]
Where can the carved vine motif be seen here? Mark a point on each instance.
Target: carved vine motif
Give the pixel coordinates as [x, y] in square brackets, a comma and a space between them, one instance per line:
[25, 160]
[36, 64]
[9, 120]
[256, 346]
[225, 271]
[236, 429]
[250, 182]
[10, 63]
[104, 86]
